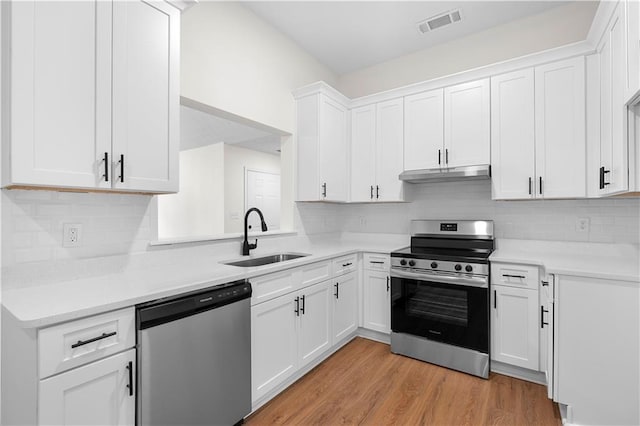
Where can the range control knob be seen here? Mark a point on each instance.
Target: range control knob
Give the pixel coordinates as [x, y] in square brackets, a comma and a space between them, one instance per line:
[403, 262]
[434, 265]
[412, 263]
[458, 267]
[468, 268]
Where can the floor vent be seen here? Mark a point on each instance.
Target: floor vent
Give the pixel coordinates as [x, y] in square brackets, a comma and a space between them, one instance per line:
[439, 21]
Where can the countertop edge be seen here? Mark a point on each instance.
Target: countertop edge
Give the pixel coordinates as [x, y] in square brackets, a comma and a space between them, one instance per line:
[35, 322]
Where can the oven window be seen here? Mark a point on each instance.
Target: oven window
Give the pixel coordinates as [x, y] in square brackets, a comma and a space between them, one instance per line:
[439, 304]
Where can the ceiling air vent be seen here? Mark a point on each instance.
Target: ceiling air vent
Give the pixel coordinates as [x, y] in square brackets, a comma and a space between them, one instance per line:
[439, 21]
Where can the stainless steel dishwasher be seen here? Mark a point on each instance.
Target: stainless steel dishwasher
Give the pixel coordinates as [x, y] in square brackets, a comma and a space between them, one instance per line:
[194, 357]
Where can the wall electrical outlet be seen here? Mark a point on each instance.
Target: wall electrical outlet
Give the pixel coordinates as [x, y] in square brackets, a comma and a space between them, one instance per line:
[582, 225]
[71, 235]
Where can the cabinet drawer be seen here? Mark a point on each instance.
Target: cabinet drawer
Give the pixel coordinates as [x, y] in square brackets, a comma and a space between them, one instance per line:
[376, 262]
[515, 275]
[344, 264]
[76, 343]
[269, 286]
[315, 273]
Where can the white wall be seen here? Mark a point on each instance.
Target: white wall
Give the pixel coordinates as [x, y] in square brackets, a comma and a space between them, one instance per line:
[198, 208]
[612, 220]
[235, 61]
[236, 159]
[553, 28]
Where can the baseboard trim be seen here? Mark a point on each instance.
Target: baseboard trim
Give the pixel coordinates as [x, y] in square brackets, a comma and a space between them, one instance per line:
[374, 335]
[519, 372]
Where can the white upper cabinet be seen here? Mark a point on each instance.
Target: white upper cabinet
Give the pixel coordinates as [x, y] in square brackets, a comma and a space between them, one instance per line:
[448, 127]
[106, 86]
[424, 130]
[377, 151]
[389, 150]
[611, 154]
[538, 145]
[467, 124]
[322, 148]
[512, 135]
[363, 153]
[632, 15]
[560, 129]
[146, 96]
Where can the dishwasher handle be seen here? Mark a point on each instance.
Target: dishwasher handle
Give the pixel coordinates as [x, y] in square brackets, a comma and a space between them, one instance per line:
[162, 311]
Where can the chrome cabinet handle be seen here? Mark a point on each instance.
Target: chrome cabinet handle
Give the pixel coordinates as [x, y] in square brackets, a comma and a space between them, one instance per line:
[530, 182]
[297, 309]
[540, 187]
[514, 276]
[372, 192]
[388, 279]
[439, 156]
[446, 156]
[95, 339]
[324, 190]
[337, 286]
[344, 265]
[302, 308]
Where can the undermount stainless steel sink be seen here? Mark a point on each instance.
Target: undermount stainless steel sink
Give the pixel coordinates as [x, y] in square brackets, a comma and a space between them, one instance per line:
[266, 260]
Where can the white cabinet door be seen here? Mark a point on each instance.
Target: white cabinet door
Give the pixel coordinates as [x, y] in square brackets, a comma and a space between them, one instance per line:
[61, 85]
[146, 42]
[377, 303]
[632, 19]
[389, 150]
[274, 340]
[597, 324]
[514, 326]
[613, 172]
[345, 306]
[333, 150]
[424, 130]
[512, 135]
[314, 336]
[467, 124]
[560, 129]
[363, 153]
[94, 394]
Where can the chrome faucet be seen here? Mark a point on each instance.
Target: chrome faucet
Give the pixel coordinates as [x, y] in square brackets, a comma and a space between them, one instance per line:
[246, 246]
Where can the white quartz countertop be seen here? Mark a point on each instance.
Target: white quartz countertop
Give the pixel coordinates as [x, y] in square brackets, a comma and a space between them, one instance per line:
[596, 260]
[43, 305]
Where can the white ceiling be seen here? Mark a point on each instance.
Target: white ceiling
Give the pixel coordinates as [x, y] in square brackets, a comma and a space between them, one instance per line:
[199, 128]
[350, 35]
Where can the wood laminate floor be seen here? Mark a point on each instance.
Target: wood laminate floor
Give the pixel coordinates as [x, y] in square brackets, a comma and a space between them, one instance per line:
[364, 383]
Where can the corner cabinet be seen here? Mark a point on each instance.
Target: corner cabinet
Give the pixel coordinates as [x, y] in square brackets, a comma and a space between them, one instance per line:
[377, 137]
[322, 144]
[95, 106]
[538, 142]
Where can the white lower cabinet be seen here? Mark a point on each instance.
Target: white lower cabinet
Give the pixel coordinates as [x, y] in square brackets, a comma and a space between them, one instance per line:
[377, 303]
[99, 393]
[80, 372]
[514, 328]
[314, 331]
[293, 330]
[274, 343]
[596, 368]
[287, 333]
[345, 306]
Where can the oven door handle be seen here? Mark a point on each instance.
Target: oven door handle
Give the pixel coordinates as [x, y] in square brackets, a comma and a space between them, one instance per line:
[481, 282]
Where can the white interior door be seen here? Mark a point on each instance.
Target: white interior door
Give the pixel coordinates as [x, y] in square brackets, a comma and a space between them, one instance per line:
[262, 190]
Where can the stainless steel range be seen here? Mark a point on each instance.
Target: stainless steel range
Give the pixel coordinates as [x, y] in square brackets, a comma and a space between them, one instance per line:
[440, 295]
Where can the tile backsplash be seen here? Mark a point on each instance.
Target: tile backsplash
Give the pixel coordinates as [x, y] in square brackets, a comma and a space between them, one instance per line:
[611, 220]
[114, 224]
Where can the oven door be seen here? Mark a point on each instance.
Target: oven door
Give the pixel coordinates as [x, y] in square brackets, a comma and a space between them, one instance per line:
[441, 307]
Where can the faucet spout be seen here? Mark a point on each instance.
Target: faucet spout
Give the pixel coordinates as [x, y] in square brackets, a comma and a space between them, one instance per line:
[246, 246]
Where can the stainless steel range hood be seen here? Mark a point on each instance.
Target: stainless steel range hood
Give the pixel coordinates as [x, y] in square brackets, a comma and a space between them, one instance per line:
[480, 172]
